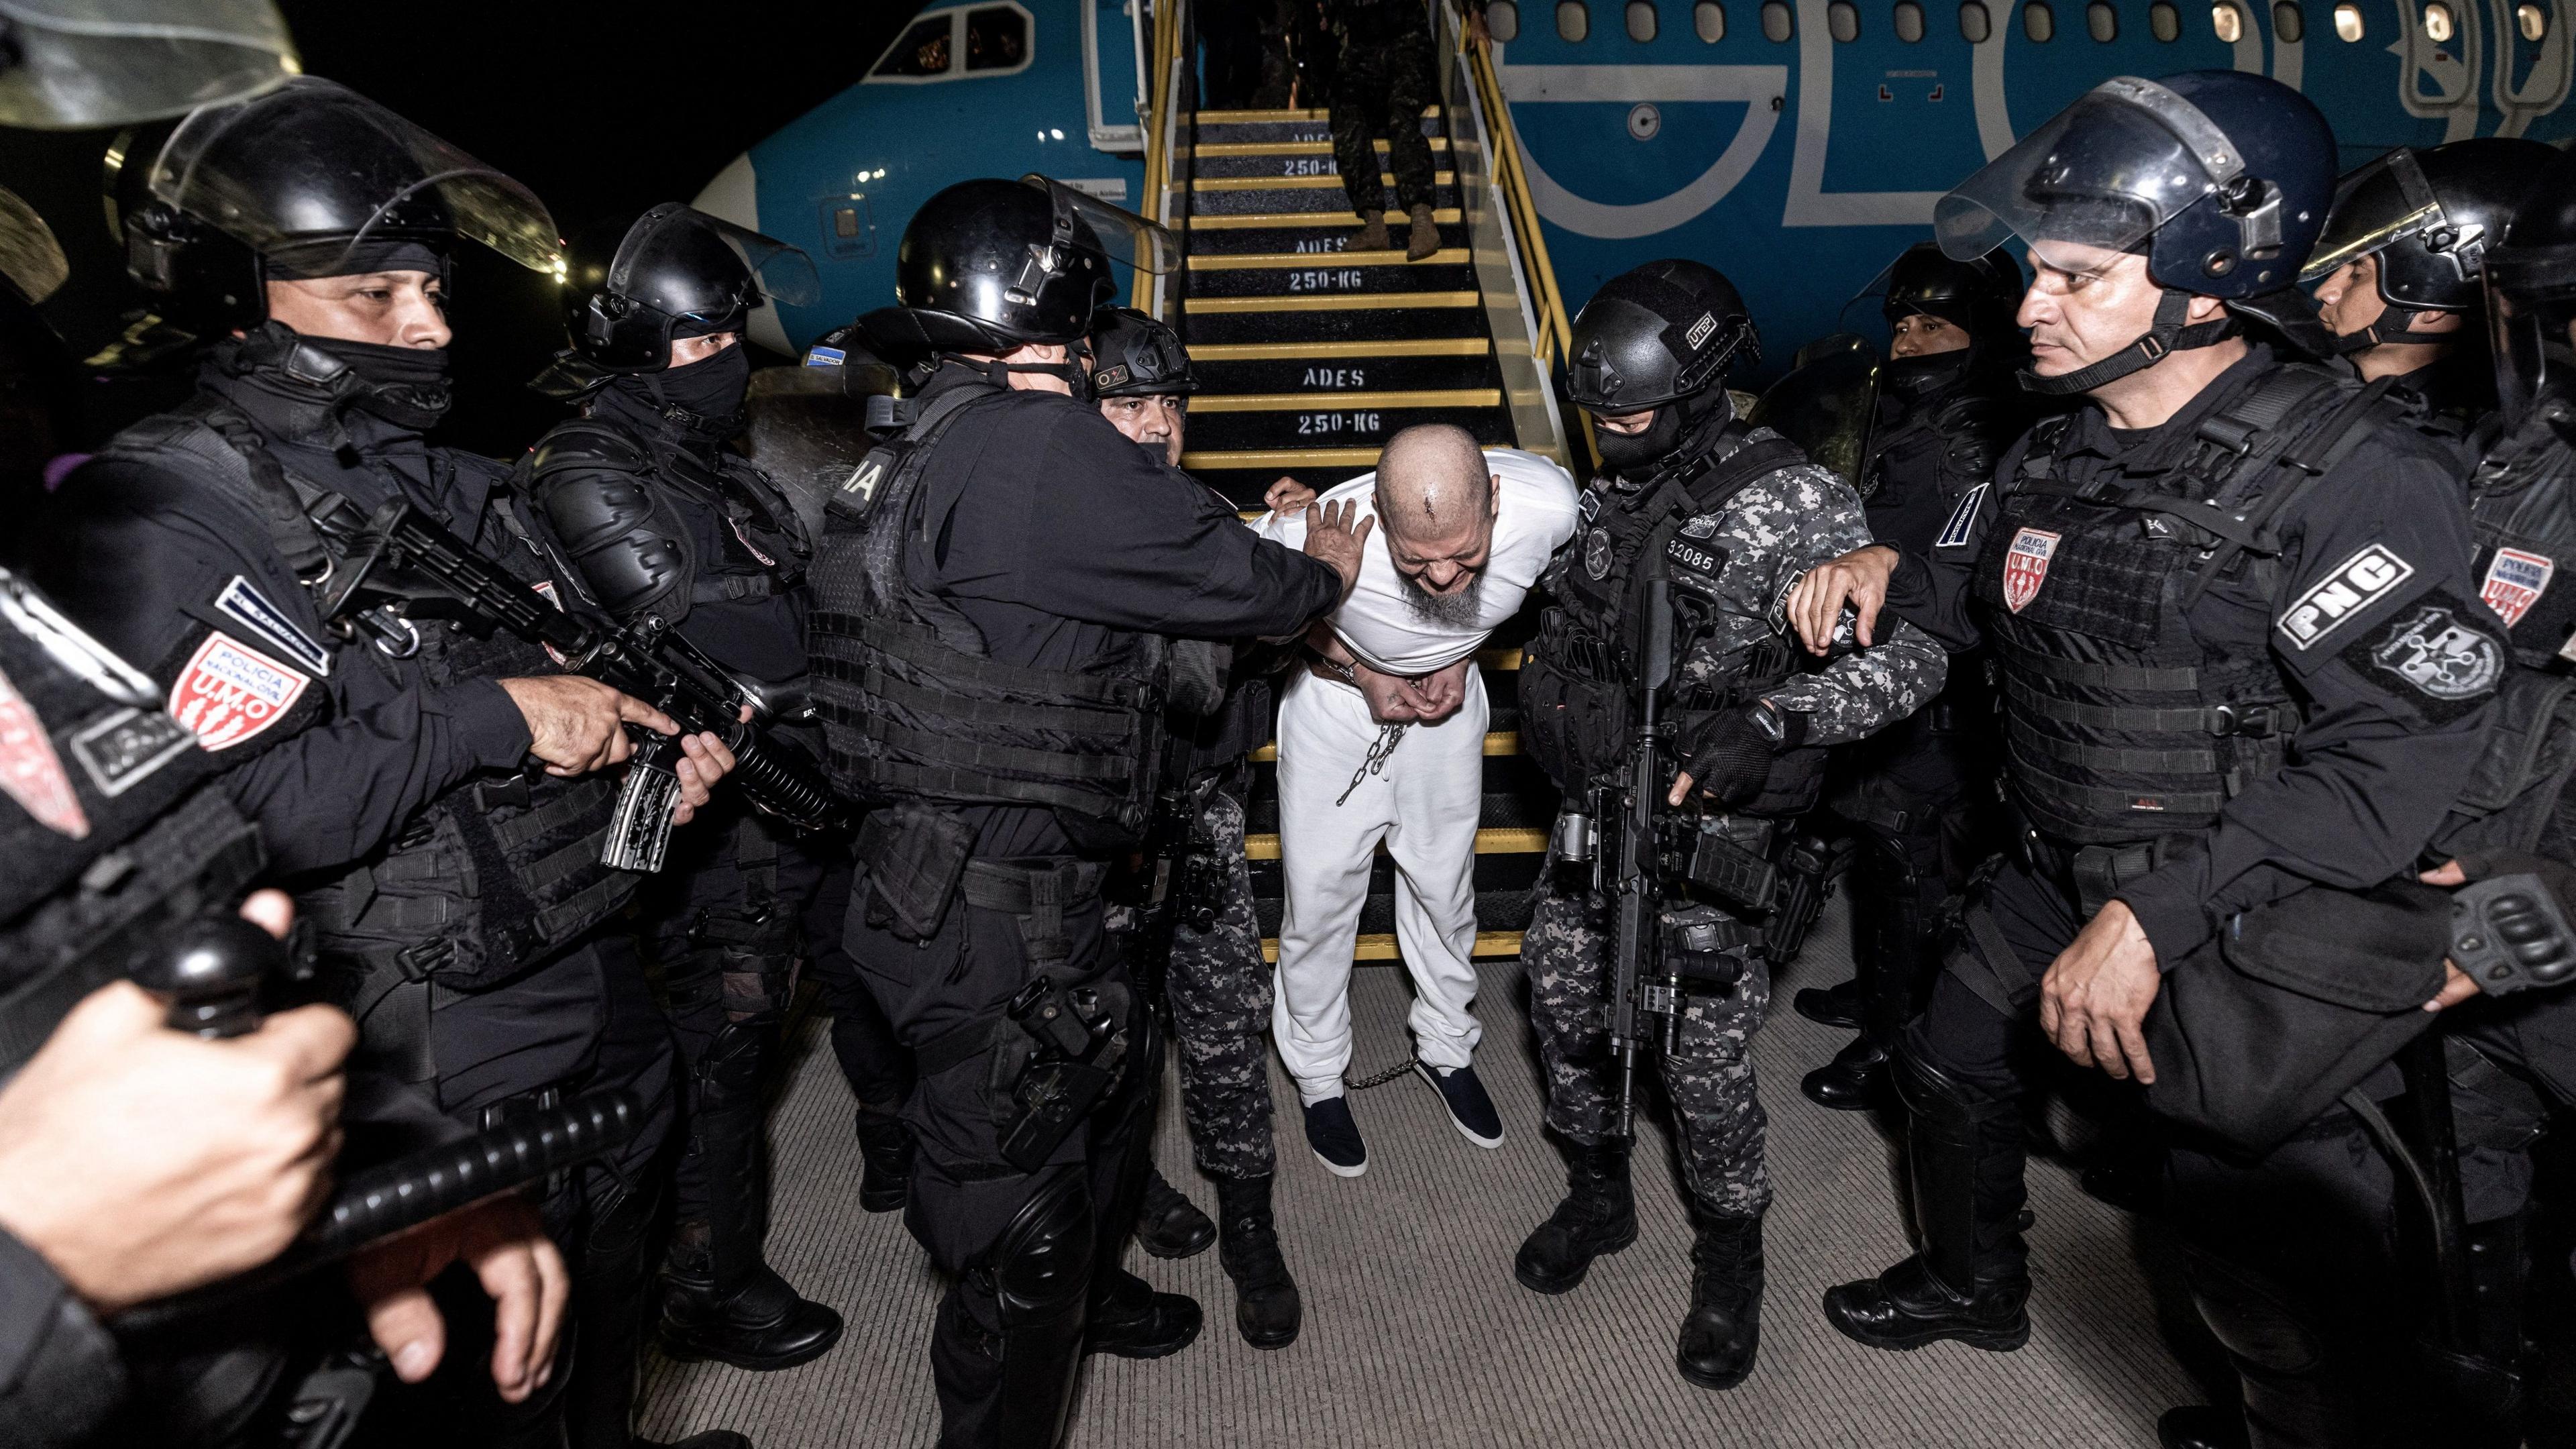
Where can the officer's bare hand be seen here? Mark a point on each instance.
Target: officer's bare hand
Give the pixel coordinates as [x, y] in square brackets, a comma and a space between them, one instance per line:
[504, 1243]
[1287, 497]
[578, 725]
[1334, 535]
[2457, 985]
[141, 1161]
[704, 759]
[2094, 1001]
[1858, 579]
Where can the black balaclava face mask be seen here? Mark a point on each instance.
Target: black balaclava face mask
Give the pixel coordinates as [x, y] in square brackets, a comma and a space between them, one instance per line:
[710, 391]
[1676, 423]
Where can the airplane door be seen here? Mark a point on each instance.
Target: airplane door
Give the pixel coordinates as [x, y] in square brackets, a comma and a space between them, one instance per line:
[1113, 69]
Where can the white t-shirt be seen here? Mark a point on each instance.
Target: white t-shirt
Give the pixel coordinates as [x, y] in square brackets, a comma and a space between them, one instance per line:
[1390, 634]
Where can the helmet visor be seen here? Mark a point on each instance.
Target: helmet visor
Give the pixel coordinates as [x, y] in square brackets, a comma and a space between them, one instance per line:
[2385, 201]
[115, 62]
[29, 256]
[1121, 235]
[2105, 172]
[358, 174]
[779, 271]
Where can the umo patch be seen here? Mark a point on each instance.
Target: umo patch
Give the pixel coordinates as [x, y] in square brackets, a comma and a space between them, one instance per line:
[2515, 581]
[247, 606]
[122, 748]
[31, 772]
[2347, 589]
[2442, 656]
[1954, 534]
[230, 692]
[2026, 566]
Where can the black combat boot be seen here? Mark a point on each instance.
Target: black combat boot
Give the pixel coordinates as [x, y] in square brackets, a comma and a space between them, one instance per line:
[1968, 1282]
[2200, 1426]
[1130, 1320]
[1835, 1005]
[1724, 1327]
[752, 1321]
[885, 1149]
[1267, 1310]
[1599, 1215]
[1851, 1081]
[1169, 1225]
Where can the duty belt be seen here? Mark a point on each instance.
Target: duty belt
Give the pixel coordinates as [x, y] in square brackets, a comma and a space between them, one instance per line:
[2091, 874]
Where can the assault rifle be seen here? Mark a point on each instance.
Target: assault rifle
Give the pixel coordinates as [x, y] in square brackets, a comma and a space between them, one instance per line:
[1667, 946]
[400, 566]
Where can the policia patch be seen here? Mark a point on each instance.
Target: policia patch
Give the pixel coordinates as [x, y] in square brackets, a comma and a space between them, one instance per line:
[2447, 662]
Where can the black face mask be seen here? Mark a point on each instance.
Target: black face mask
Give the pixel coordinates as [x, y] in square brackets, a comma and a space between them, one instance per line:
[1914, 377]
[406, 386]
[1628, 453]
[710, 391]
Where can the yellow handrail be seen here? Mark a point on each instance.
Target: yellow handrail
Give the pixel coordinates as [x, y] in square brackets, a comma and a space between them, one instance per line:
[1158, 159]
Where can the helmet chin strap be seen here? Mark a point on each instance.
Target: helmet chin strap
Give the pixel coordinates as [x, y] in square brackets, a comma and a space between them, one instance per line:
[2380, 334]
[2171, 333]
[1070, 371]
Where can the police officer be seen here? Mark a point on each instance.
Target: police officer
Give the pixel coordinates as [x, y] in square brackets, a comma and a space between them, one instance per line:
[991, 602]
[1216, 980]
[657, 520]
[1734, 514]
[1387, 75]
[1918, 793]
[2238, 646]
[2397, 270]
[435, 798]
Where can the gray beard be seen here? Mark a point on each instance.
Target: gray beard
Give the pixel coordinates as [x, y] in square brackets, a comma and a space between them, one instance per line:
[1460, 610]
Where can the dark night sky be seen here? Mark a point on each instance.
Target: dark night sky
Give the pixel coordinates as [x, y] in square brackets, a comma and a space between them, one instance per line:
[602, 108]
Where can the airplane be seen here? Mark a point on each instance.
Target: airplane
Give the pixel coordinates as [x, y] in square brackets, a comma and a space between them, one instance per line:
[1797, 145]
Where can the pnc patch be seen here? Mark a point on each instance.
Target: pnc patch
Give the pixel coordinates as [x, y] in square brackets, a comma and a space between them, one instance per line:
[2515, 581]
[31, 772]
[230, 692]
[2026, 566]
[2347, 589]
[271, 625]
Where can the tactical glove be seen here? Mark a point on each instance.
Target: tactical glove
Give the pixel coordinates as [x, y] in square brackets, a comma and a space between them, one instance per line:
[1728, 756]
[2510, 927]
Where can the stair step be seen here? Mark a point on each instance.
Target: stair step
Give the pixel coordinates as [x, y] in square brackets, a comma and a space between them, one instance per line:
[1337, 368]
[1321, 318]
[1281, 402]
[1381, 946]
[1281, 158]
[1302, 222]
[1247, 195]
[1326, 420]
[1505, 841]
[1330, 276]
[1305, 241]
[1232, 127]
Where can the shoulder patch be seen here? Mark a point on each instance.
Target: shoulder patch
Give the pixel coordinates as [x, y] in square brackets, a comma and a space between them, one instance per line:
[2347, 589]
[229, 692]
[245, 605]
[31, 773]
[124, 747]
[2514, 581]
[2436, 651]
[1702, 525]
[1954, 533]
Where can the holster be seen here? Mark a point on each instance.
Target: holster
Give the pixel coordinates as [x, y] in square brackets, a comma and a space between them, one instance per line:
[915, 853]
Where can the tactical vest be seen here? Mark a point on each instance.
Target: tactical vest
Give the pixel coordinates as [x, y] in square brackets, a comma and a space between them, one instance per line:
[2119, 724]
[488, 879]
[1952, 444]
[607, 496]
[1577, 678]
[915, 708]
[111, 825]
[2524, 517]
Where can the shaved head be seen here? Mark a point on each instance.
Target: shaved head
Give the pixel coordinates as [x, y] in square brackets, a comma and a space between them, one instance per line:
[1436, 502]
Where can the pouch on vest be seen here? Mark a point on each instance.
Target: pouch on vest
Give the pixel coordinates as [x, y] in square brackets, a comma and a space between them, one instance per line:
[2530, 752]
[914, 853]
[2294, 1003]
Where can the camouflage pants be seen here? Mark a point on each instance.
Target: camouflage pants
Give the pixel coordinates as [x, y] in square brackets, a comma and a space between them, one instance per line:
[1566, 952]
[1220, 993]
[1382, 90]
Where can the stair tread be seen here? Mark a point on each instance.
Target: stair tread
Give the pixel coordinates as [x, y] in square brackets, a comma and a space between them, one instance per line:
[1283, 148]
[1258, 261]
[1375, 946]
[1259, 220]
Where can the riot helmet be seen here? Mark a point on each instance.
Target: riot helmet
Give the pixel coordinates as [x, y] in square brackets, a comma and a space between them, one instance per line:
[2221, 180]
[1979, 293]
[990, 265]
[311, 180]
[1135, 356]
[68, 64]
[677, 272]
[1663, 332]
[2429, 217]
[2530, 282]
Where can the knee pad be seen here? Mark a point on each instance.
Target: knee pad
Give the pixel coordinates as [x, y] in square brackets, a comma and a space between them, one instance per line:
[729, 1071]
[2259, 1323]
[1934, 1093]
[1040, 1267]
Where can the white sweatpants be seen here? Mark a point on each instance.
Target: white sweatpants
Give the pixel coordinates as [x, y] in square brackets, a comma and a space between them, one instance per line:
[1424, 806]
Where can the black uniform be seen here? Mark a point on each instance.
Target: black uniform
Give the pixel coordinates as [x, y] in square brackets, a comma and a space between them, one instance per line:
[1386, 77]
[1029, 553]
[454, 887]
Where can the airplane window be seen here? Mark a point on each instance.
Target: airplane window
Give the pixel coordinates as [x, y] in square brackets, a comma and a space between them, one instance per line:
[1909, 21]
[1641, 20]
[2224, 19]
[2038, 21]
[1975, 24]
[2102, 21]
[1842, 21]
[996, 39]
[2438, 27]
[1709, 19]
[1503, 21]
[1777, 23]
[922, 51]
[2348, 22]
[2289, 23]
[1573, 20]
[2164, 22]
[2532, 21]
